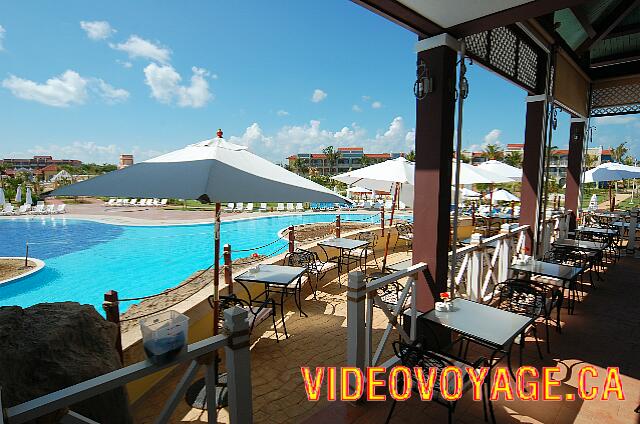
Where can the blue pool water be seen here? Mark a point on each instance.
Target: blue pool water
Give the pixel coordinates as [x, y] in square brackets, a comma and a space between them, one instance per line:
[84, 259]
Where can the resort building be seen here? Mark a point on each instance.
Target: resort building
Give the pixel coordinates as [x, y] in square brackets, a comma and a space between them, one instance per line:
[125, 160]
[38, 162]
[349, 158]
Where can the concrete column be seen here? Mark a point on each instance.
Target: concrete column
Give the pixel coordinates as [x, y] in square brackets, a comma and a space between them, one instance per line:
[574, 169]
[434, 152]
[356, 296]
[532, 167]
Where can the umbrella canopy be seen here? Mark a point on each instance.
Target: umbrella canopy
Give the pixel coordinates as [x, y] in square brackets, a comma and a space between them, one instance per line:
[380, 176]
[212, 170]
[502, 195]
[2, 199]
[470, 174]
[611, 172]
[19, 194]
[501, 168]
[358, 190]
[28, 200]
[61, 176]
[466, 193]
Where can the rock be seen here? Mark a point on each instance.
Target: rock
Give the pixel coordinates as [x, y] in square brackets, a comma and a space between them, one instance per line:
[50, 346]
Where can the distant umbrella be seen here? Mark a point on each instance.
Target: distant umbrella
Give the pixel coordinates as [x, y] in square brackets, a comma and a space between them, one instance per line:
[28, 200]
[19, 194]
[2, 199]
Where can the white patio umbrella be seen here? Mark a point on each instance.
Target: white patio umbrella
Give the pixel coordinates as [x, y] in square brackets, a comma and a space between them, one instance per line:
[2, 199]
[212, 171]
[470, 174]
[28, 200]
[467, 193]
[19, 194]
[501, 168]
[611, 172]
[502, 195]
[61, 176]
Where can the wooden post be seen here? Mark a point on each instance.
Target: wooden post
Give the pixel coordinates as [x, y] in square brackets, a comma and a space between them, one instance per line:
[505, 253]
[631, 234]
[337, 226]
[356, 296]
[292, 239]
[238, 361]
[227, 267]
[26, 255]
[475, 269]
[382, 219]
[112, 310]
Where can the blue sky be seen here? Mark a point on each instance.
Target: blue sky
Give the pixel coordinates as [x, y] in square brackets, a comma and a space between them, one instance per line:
[92, 80]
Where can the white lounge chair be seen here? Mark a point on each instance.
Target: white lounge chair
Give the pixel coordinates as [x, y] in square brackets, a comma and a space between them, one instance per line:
[134, 202]
[24, 209]
[50, 209]
[8, 209]
[39, 209]
[62, 208]
[164, 202]
[249, 207]
[299, 207]
[230, 207]
[239, 207]
[263, 207]
[290, 207]
[111, 202]
[388, 205]
[280, 207]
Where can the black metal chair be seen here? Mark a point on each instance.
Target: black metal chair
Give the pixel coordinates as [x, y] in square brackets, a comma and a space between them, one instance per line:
[361, 254]
[405, 232]
[417, 355]
[314, 266]
[258, 309]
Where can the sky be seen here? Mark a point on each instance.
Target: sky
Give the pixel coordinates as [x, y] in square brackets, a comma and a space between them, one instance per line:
[91, 80]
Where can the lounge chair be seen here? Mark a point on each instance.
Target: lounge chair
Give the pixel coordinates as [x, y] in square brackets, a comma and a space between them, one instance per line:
[134, 202]
[263, 207]
[8, 209]
[388, 205]
[290, 207]
[39, 209]
[330, 206]
[23, 209]
[125, 202]
[111, 202]
[299, 207]
[239, 207]
[249, 207]
[164, 202]
[280, 207]
[62, 208]
[51, 209]
[230, 207]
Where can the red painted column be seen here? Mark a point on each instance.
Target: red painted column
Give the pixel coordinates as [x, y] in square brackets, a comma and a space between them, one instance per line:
[532, 166]
[434, 152]
[574, 169]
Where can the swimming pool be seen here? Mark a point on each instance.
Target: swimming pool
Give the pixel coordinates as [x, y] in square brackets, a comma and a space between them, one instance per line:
[85, 258]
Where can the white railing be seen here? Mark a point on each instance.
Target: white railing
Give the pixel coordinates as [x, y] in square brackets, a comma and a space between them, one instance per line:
[485, 262]
[554, 228]
[235, 341]
[361, 298]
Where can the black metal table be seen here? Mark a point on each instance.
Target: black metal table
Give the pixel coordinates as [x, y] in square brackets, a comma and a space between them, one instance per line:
[565, 273]
[343, 245]
[585, 245]
[399, 266]
[276, 277]
[493, 328]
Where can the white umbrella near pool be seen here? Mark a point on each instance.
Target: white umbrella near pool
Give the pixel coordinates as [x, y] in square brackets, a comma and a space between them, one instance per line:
[611, 172]
[19, 194]
[502, 195]
[2, 199]
[211, 171]
[501, 168]
[28, 200]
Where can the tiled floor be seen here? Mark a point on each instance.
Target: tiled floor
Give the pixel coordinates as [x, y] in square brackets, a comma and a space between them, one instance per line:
[604, 332]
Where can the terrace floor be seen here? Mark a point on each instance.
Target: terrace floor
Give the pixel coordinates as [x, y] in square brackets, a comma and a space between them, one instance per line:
[603, 332]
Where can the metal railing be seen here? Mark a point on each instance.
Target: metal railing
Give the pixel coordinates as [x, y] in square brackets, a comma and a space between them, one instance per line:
[361, 298]
[235, 341]
[553, 228]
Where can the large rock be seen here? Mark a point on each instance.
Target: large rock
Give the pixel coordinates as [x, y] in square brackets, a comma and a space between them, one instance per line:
[49, 346]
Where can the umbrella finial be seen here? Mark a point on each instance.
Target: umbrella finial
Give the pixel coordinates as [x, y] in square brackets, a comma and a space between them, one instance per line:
[219, 133]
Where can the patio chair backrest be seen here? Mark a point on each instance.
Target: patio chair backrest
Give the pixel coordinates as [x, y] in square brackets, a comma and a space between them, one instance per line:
[404, 229]
[520, 297]
[368, 236]
[300, 258]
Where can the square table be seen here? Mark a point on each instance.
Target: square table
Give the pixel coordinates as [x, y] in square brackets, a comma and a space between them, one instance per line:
[343, 245]
[278, 277]
[565, 273]
[488, 326]
[400, 266]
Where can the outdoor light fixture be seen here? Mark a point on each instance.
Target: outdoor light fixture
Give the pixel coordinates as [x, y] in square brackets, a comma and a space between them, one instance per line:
[424, 83]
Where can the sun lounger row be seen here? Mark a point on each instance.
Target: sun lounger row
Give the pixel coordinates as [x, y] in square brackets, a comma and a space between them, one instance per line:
[134, 202]
[39, 209]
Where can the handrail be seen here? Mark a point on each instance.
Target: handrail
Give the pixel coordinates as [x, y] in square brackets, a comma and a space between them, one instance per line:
[385, 280]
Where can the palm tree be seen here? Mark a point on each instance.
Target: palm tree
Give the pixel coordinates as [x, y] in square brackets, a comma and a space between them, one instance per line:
[493, 152]
[411, 156]
[618, 153]
[629, 160]
[590, 161]
[300, 166]
[514, 159]
[332, 157]
[365, 161]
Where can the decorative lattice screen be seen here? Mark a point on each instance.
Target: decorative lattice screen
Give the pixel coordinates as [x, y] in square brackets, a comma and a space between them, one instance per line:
[616, 100]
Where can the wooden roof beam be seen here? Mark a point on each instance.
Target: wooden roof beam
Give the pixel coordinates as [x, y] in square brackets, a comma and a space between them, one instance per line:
[608, 23]
[584, 21]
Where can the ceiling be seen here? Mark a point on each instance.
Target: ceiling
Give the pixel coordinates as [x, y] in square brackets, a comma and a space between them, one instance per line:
[448, 13]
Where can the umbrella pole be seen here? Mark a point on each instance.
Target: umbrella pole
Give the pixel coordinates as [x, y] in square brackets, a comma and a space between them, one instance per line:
[216, 286]
[393, 206]
[610, 202]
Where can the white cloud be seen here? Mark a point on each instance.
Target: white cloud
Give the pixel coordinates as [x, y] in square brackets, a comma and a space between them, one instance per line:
[88, 152]
[139, 47]
[165, 86]
[282, 113]
[366, 98]
[356, 108]
[124, 63]
[318, 96]
[493, 136]
[111, 94]
[97, 30]
[376, 105]
[64, 90]
[311, 137]
[2, 32]
[616, 120]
